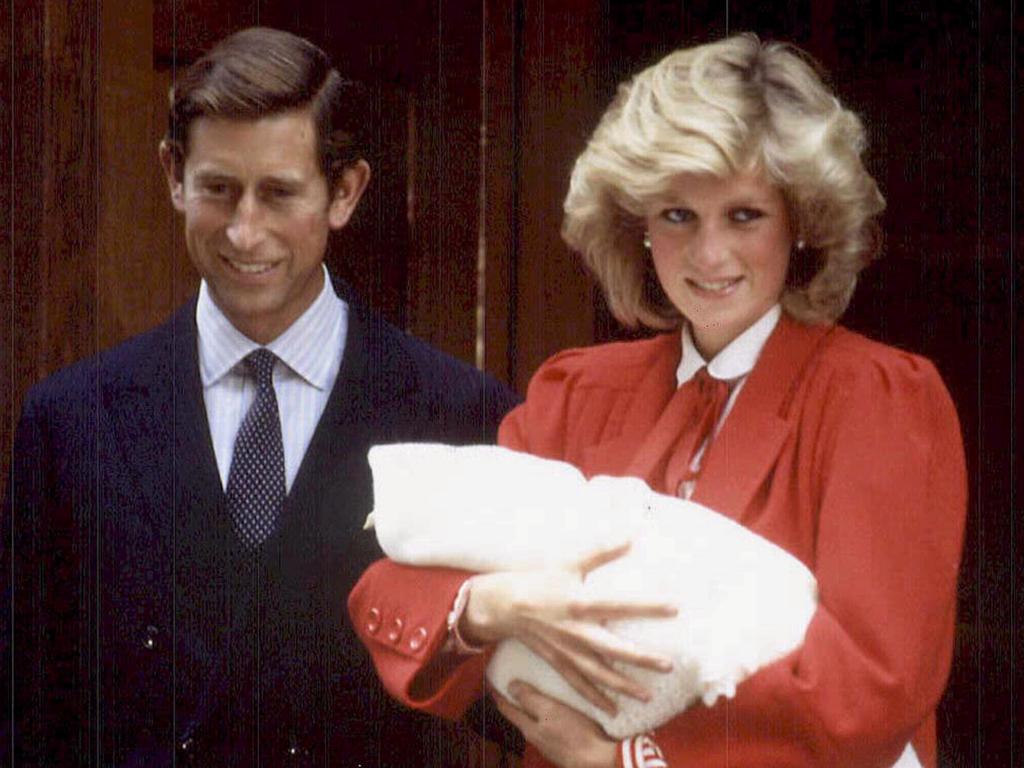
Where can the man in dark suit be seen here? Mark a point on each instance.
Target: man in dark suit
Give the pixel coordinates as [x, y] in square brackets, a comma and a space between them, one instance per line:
[184, 512]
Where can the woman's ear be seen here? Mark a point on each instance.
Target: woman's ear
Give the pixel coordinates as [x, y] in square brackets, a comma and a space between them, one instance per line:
[348, 190]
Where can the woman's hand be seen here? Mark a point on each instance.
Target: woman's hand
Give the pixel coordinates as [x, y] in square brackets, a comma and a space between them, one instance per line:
[542, 610]
[563, 735]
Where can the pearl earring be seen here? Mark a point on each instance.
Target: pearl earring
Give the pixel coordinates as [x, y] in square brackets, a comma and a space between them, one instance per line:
[647, 241]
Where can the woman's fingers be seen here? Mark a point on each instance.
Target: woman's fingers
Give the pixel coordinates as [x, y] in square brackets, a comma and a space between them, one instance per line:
[595, 667]
[570, 672]
[602, 556]
[528, 699]
[617, 610]
[515, 715]
[605, 644]
[562, 734]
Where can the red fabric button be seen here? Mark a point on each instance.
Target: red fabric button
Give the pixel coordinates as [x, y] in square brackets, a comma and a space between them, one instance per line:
[373, 621]
[395, 633]
[418, 639]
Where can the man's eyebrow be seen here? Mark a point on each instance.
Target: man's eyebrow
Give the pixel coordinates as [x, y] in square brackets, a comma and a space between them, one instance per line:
[285, 179]
[212, 174]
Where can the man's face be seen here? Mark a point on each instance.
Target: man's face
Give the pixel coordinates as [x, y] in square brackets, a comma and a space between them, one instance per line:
[257, 215]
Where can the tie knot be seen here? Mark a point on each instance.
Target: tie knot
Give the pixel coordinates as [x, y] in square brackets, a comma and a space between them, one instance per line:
[708, 384]
[261, 365]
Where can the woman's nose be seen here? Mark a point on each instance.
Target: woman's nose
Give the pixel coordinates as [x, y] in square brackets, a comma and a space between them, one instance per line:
[709, 247]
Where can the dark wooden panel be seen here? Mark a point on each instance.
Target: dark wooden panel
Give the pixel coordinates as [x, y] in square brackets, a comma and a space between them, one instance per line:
[184, 29]
[500, 176]
[558, 108]
[135, 270]
[372, 252]
[55, 167]
[446, 212]
[8, 321]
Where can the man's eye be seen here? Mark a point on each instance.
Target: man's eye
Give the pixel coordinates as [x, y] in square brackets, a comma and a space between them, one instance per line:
[744, 215]
[677, 215]
[215, 188]
[280, 193]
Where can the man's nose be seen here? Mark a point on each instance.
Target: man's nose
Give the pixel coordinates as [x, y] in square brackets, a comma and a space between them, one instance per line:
[246, 229]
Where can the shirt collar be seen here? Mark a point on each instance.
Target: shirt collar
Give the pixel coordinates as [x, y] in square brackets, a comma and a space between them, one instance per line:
[738, 357]
[300, 347]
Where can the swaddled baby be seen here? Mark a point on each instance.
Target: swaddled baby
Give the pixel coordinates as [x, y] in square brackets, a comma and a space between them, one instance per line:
[743, 602]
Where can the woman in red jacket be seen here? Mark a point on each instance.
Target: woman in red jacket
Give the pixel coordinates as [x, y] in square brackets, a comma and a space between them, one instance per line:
[722, 199]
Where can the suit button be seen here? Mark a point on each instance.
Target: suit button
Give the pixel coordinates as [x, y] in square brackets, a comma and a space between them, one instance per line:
[149, 641]
[373, 621]
[296, 754]
[395, 633]
[418, 639]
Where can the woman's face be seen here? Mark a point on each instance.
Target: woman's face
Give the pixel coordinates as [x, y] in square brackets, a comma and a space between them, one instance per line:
[721, 251]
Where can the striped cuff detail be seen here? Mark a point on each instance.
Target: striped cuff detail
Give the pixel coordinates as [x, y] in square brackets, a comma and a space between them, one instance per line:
[640, 752]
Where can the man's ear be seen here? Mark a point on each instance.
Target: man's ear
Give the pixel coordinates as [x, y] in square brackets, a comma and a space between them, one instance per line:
[175, 174]
[347, 192]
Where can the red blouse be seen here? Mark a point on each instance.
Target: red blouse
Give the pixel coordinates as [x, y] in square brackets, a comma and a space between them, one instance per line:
[845, 452]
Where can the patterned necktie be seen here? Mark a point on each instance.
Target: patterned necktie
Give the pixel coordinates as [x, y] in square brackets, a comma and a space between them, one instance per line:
[256, 486]
[708, 397]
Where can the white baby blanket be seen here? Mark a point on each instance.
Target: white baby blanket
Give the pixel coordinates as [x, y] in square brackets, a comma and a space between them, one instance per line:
[743, 601]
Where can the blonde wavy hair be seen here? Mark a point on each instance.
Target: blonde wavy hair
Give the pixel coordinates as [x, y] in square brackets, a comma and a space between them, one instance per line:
[725, 108]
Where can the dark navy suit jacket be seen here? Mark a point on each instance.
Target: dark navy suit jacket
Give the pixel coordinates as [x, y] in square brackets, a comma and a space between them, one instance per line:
[135, 631]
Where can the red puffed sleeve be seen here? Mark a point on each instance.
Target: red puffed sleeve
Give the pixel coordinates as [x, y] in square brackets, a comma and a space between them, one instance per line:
[874, 469]
[541, 424]
[581, 398]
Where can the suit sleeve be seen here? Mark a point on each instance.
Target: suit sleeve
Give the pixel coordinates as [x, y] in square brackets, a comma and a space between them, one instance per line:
[886, 481]
[23, 509]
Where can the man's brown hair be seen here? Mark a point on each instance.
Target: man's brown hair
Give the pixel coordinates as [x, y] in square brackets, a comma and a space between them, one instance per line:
[259, 72]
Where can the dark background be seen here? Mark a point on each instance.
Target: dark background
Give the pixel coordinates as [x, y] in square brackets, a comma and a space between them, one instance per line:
[478, 110]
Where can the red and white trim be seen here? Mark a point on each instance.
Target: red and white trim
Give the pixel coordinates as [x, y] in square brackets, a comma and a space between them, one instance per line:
[640, 752]
[456, 643]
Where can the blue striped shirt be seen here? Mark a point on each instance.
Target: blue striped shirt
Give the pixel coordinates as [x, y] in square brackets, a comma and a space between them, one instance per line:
[310, 354]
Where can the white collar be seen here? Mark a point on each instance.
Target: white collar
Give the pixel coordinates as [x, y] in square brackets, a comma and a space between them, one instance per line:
[222, 346]
[738, 357]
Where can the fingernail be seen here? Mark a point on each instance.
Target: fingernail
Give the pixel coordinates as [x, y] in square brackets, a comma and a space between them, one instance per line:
[514, 689]
[665, 665]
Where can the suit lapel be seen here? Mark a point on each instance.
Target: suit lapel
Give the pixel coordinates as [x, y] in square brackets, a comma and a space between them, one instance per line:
[157, 423]
[744, 452]
[194, 455]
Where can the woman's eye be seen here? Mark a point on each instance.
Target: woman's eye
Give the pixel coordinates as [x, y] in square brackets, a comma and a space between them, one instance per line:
[677, 215]
[744, 215]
